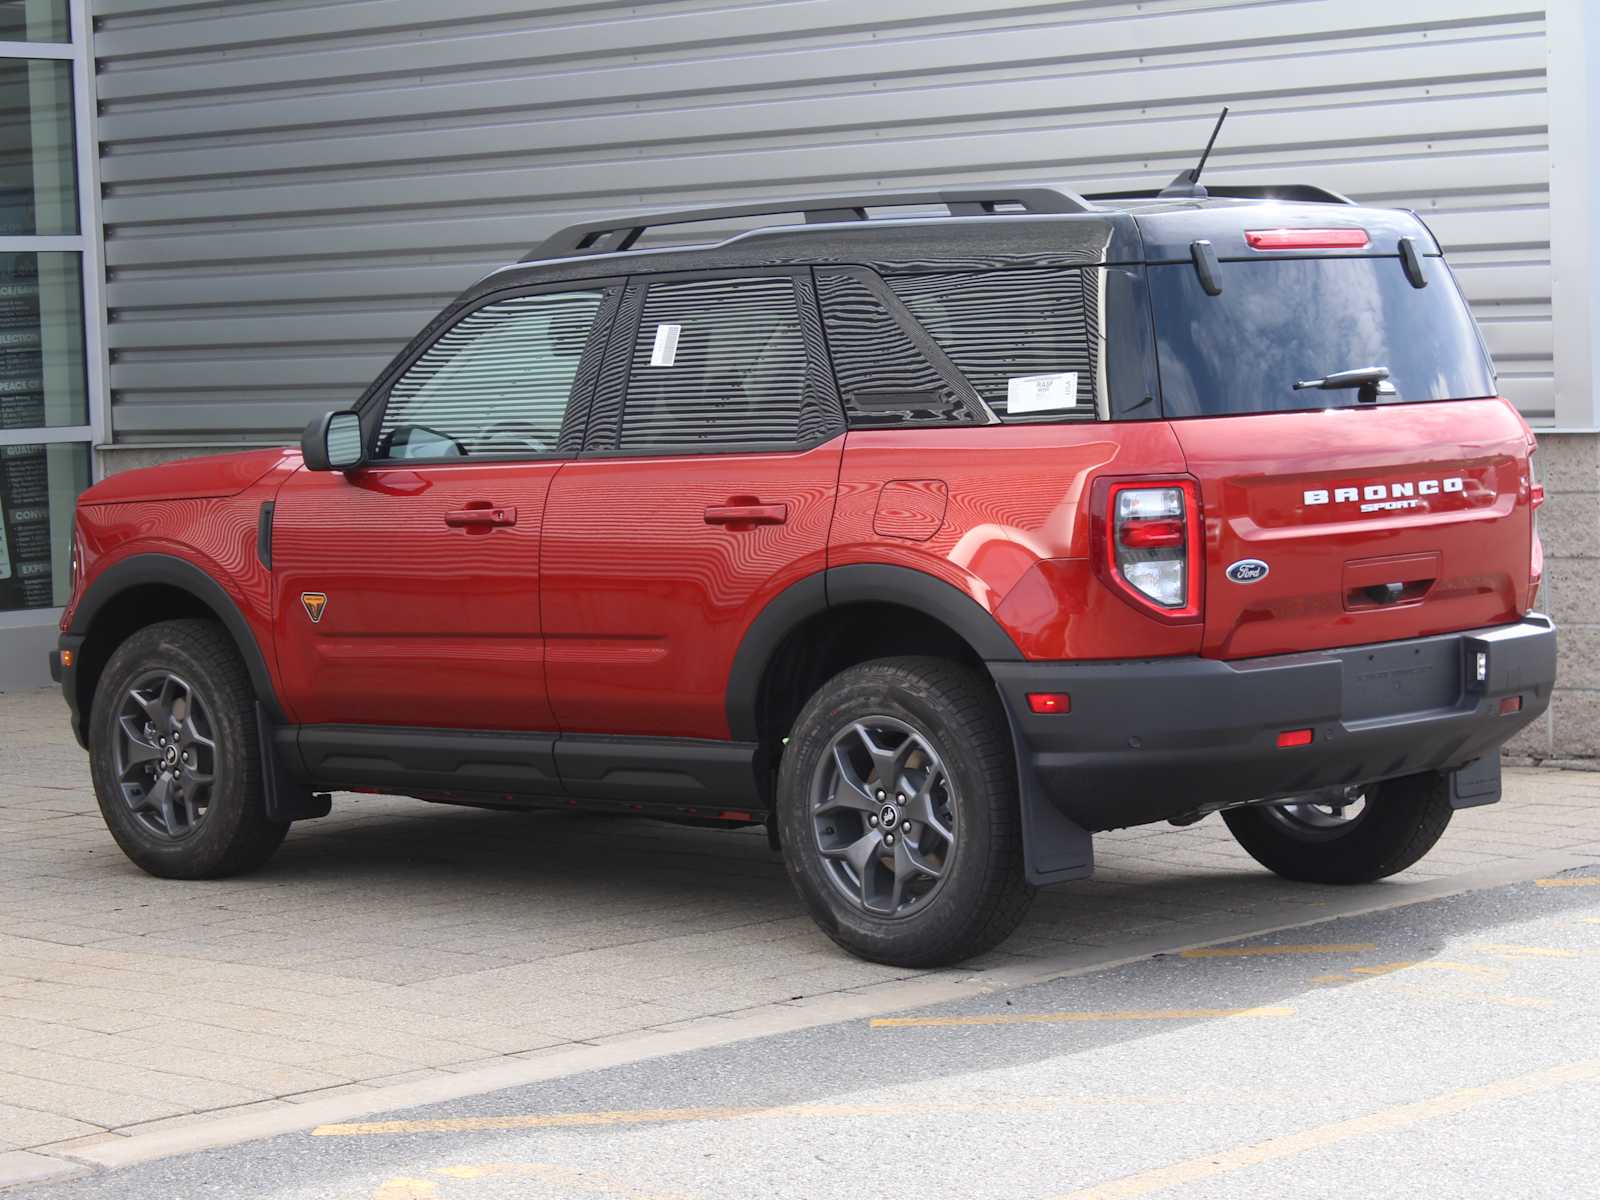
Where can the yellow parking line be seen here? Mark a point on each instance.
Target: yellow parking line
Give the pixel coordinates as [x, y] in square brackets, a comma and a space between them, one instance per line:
[570, 1179]
[1580, 881]
[1499, 998]
[648, 1116]
[1386, 1120]
[402, 1188]
[1262, 951]
[1514, 951]
[1061, 1018]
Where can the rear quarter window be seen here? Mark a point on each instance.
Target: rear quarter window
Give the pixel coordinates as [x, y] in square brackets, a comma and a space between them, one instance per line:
[1280, 321]
[1029, 341]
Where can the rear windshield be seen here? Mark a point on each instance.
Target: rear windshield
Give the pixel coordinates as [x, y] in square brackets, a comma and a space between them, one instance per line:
[1278, 322]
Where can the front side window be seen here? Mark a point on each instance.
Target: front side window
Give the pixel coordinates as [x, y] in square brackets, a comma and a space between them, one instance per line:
[497, 382]
[717, 363]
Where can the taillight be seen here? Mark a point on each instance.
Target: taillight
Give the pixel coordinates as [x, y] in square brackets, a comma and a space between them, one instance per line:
[1306, 239]
[1536, 550]
[1152, 547]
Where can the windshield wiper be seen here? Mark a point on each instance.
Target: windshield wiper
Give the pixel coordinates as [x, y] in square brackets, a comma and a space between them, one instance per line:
[1372, 382]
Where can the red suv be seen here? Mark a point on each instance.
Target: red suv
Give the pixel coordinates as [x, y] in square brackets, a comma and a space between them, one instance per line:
[937, 531]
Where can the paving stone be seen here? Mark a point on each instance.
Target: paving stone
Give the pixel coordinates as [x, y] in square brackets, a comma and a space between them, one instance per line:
[394, 940]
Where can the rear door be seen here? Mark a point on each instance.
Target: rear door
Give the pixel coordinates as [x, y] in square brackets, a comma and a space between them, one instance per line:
[705, 488]
[407, 592]
[1333, 521]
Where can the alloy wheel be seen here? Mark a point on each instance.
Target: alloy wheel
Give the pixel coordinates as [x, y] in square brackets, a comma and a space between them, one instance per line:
[883, 808]
[1321, 816]
[166, 754]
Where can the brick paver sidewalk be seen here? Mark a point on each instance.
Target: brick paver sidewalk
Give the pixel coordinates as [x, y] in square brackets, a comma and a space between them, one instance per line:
[396, 939]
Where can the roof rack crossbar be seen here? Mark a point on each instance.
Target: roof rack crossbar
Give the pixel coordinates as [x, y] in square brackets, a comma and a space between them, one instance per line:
[621, 233]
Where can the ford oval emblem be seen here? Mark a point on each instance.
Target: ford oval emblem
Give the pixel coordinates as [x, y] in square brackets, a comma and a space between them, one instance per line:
[1248, 570]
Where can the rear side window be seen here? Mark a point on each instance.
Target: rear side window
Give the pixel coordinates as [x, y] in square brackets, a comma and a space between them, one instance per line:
[498, 381]
[1027, 340]
[717, 363]
[1286, 320]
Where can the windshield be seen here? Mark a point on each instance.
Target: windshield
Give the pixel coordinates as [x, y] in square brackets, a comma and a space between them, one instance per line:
[1281, 321]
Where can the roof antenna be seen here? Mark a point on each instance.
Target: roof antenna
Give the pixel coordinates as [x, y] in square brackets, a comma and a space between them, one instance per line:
[1187, 182]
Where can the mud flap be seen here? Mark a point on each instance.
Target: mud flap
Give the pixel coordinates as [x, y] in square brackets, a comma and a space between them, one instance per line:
[1478, 782]
[286, 798]
[1055, 848]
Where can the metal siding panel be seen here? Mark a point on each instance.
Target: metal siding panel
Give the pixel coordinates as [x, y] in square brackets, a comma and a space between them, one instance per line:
[291, 192]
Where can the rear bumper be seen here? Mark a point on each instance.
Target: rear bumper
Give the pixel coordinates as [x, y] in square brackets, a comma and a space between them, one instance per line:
[1148, 740]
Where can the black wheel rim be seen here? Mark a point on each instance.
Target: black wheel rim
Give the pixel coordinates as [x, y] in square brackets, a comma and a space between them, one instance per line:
[1320, 817]
[166, 755]
[883, 809]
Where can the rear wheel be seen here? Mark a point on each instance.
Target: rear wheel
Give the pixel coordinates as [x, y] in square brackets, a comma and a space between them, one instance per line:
[175, 754]
[1357, 836]
[898, 806]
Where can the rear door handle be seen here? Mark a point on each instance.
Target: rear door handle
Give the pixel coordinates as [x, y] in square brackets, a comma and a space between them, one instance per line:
[747, 514]
[480, 515]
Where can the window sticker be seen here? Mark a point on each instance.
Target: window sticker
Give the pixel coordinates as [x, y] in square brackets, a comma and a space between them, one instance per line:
[1041, 393]
[665, 352]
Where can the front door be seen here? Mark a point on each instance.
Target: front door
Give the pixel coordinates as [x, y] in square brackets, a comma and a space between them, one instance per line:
[407, 592]
[706, 487]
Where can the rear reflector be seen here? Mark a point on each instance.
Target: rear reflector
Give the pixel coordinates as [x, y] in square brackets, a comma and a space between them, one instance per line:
[1294, 737]
[1152, 534]
[1510, 704]
[1045, 703]
[1306, 239]
[1536, 495]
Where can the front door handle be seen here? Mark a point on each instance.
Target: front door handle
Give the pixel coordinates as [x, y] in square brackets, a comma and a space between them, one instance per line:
[747, 514]
[480, 515]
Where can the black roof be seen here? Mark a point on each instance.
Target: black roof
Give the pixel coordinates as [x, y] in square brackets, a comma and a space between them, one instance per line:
[981, 226]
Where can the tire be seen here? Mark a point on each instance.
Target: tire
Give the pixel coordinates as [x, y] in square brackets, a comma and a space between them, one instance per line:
[187, 678]
[1399, 822]
[937, 728]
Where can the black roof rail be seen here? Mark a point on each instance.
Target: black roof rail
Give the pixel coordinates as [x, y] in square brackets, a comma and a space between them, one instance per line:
[620, 233]
[1307, 192]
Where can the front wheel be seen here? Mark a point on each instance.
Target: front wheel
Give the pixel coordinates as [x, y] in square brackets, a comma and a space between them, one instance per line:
[1360, 836]
[897, 799]
[175, 754]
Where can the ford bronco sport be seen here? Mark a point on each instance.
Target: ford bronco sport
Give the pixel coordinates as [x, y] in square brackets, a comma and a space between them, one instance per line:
[937, 530]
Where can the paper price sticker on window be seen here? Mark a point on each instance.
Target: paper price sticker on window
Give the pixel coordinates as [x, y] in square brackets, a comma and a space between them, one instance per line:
[1041, 393]
[665, 352]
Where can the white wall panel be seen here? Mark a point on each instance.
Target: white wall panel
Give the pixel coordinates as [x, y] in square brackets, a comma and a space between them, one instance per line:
[291, 189]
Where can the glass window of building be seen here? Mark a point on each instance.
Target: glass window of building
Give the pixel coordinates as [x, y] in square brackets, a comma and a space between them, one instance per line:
[47, 417]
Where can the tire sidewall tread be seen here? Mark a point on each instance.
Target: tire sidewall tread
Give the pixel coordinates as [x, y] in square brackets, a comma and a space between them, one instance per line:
[235, 835]
[986, 894]
[1404, 819]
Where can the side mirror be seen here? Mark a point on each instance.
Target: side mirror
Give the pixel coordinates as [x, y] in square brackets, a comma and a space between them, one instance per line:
[332, 442]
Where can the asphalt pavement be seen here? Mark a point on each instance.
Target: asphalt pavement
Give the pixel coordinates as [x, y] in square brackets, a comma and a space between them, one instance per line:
[1443, 1048]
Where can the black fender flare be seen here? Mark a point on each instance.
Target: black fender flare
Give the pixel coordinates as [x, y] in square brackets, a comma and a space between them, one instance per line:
[837, 587]
[141, 569]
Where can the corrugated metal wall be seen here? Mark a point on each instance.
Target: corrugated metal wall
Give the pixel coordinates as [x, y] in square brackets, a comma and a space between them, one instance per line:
[291, 188]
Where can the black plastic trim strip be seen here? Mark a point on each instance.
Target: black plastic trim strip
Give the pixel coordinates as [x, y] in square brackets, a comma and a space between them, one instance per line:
[409, 759]
[511, 766]
[864, 583]
[678, 771]
[264, 535]
[179, 573]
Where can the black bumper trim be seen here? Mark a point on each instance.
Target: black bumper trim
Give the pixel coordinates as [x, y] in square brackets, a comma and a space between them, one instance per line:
[67, 677]
[1153, 739]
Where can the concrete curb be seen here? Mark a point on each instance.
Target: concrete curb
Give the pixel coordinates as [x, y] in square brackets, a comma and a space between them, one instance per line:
[876, 1000]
